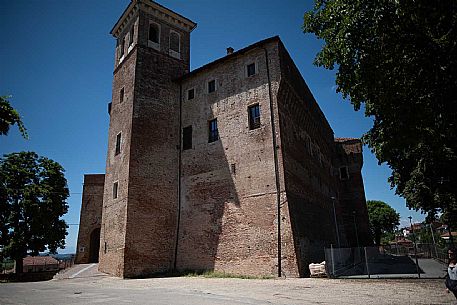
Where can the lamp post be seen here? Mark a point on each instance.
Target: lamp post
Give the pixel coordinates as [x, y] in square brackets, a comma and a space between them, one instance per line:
[336, 222]
[415, 250]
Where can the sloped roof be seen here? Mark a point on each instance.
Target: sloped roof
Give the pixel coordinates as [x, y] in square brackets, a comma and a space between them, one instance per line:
[39, 260]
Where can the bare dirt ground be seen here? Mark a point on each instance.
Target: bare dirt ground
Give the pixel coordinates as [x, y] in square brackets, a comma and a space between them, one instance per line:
[195, 290]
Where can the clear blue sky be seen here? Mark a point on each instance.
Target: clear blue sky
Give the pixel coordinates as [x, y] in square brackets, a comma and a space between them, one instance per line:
[56, 59]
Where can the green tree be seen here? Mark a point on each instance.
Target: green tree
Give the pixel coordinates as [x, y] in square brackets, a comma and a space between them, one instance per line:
[33, 193]
[8, 117]
[398, 59]
[383, 219]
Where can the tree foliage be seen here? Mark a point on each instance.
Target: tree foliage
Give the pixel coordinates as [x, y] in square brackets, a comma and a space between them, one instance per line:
[33, 193]
[8, 117]
[383, 219]
[399, 60]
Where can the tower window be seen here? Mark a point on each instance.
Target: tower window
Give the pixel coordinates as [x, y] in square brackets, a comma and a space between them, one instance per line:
[121, 51]
[187, 138]
[211, 86]
[132, 33]
[250, 69]
[213, 131]
[115, 187]
[254, 116]
[118, 144]
[121, 95]
[154, 32]
[174, 42]
[190, 94]
[344, 174]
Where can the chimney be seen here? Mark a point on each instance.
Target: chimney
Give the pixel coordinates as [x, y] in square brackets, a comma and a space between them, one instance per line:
[229, 50]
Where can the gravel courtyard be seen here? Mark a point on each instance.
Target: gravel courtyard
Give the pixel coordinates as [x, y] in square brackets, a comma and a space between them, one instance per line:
[195, 290]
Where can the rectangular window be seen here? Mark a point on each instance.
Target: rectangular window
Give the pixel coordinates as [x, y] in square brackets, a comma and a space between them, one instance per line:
[190, 94]
[118, 144]
[187, 137]
[250, 69]
[344, 174]
[213, 131]
[154, 32]
[132, 33]
[254, 116]
[211, 86]
[121, 95]
[115, 186]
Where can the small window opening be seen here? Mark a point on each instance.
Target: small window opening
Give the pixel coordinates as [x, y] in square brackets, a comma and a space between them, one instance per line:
[190, 94]
[344, 174]
[154, 32]
[254, 116]
[174, 41]
[213, 131]
[121, 95]
[211, 86]
[187, 138]
[233, 168]
[118, 144]
[132, 33]
[122, 47]
[115, 186]
[251, 69]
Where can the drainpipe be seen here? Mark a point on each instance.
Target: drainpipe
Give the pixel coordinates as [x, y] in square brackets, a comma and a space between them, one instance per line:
[178, 220]
[275, 156]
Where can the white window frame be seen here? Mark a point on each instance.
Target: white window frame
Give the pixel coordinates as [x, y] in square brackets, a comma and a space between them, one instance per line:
[152, 44]
[171, 52]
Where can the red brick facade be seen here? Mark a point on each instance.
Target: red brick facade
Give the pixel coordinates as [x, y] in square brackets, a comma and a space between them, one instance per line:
[248, 198]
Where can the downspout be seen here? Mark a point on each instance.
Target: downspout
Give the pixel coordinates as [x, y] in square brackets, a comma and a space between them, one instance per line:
[275, 156]
[179, 178]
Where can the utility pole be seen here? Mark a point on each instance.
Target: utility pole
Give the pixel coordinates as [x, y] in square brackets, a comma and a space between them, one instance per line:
[433, 238]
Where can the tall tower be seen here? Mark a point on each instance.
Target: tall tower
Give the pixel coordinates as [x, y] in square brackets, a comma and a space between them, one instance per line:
[140, 202]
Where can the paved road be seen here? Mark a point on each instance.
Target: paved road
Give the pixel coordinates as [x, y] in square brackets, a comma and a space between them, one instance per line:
[202, 291]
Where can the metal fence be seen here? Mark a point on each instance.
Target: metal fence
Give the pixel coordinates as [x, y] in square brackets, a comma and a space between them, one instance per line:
[388, 261]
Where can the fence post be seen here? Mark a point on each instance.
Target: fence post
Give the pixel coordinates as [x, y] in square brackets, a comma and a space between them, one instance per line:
[366, 261]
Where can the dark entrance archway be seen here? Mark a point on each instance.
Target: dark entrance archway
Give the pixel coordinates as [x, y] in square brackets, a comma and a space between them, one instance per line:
[94, 245]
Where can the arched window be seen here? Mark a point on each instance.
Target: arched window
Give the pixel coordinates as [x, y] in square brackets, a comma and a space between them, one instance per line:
[174, 42]
[154, 32]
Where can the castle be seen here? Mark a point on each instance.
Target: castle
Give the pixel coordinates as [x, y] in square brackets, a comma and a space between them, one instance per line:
[230, 167]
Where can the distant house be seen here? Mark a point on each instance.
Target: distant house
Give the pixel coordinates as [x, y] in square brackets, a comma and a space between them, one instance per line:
[445, 236]
[40, 264]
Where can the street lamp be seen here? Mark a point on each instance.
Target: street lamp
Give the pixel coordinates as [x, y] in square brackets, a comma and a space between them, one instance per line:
[336, 222]
[415, 250]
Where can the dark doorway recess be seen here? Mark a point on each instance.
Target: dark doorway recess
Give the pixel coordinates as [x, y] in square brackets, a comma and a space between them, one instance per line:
[94, 245]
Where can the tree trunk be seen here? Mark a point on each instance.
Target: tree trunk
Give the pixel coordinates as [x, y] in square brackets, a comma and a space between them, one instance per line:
[19, 266]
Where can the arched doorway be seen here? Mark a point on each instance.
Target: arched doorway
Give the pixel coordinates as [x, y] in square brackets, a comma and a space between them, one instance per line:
[94, 245]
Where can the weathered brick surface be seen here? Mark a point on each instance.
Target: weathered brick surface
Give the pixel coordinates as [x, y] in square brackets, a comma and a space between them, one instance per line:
[91, 216]
[215, 206]
[352, 193]
[228, 209]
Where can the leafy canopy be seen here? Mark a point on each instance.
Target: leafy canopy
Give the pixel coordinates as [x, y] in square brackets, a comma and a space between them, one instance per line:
[33, 193]
[399, 60]
[9, 116]
[383, 219]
